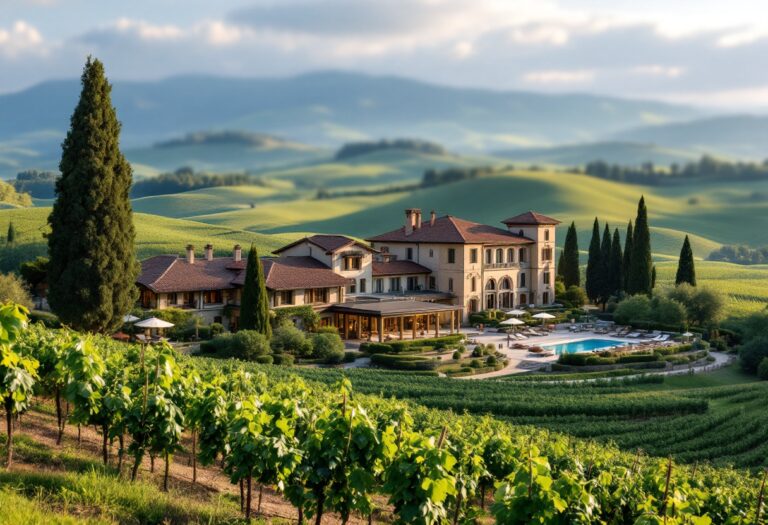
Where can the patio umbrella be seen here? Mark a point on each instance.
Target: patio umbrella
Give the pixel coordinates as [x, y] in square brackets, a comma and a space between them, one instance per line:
[512, 322]
[543, 315]
[154, 322]
[515, 312]
[130, 318]
[688, 334]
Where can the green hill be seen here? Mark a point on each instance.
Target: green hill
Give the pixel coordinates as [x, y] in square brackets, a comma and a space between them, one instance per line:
[623, 153]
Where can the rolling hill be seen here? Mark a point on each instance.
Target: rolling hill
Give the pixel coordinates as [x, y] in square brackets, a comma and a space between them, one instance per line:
[624, 153]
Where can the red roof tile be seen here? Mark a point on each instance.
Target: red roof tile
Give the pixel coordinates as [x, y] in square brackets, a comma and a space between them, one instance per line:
[329, 243]
[452, 230]
[293, 273]
[168, 273]
[398, 268]
[531, 217]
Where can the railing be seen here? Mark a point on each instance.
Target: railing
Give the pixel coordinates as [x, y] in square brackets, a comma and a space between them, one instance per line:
[497, 266]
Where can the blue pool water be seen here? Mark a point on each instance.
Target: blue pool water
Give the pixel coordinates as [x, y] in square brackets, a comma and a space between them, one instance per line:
[585, 345]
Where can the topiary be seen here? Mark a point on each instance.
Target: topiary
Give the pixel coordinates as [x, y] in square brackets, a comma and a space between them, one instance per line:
[457, 355]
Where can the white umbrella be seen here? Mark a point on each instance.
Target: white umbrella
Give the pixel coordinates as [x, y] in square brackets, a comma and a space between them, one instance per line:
[543, 315]
[515, 312]
[687, 334]
[512, 322]
[130, 318]
[154, 322]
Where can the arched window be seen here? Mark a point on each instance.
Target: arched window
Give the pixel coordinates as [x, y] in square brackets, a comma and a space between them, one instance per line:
[546, 235]
[499, 256]
[488, 256]
[522, 280]
[505, 284]
[473, 285]
[490, 285]
[523, 255]
[473, 305]
[510, 255]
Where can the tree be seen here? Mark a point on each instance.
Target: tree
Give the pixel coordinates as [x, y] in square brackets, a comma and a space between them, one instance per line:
[328, 347]
[14, 290]
[254, 306]
[640, 264]
[616, 265]
[606, 247]
[595, 273]
[93, 269]
[34, 272]
[752, 353]
[634, 308]
[686, 271]
[627, 256]
[10, 237]
[570, 258]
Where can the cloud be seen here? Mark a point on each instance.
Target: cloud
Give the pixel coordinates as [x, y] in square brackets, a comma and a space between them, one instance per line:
[656, 70]
[19, 39]
[559, 77]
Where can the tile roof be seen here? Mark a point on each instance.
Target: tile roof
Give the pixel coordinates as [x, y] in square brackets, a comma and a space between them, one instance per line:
[398, 268]
[531, 217]
[452, 230]
[329, 243]
[293, 273]
[169, 273]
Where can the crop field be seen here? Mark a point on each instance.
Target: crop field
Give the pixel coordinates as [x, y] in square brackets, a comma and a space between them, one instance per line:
[719, 417]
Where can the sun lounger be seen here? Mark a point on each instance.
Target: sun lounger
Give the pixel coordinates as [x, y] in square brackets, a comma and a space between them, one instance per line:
[634, 335]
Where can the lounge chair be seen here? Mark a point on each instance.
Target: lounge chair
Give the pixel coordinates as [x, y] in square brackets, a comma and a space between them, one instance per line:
[521, 337]
[634, 335]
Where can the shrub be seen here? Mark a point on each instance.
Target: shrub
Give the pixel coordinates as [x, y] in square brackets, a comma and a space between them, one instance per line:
[573, 359]
[667, 311]
[637, 358]
[351, 355]
[288, 338]
[703, 306]
[398, 346]
[479, 351]
[49, 319]
[306, 314]
[216, 329]
[249, 344]
[375, 348]
[283, 359]
[457, 355]
[328, 347]
[13, 289]
[404, 362]
[752, 354]
[491, 360]
[635, 308]
[327, 330]
[574, 296]
[221, 345]
[475, 363]
[762, 369]
[264, 359]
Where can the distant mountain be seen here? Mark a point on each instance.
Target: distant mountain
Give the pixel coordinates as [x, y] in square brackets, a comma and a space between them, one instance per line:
[624, 153]
[324, 109]
[737, 136]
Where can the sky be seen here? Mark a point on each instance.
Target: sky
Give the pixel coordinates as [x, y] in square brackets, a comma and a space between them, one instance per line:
[708, 53]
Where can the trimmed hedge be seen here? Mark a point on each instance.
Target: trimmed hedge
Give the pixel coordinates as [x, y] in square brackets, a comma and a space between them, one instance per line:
[398, 347]
[404, 362]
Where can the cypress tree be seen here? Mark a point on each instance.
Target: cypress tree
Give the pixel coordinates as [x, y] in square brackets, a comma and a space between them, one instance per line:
[640, 264]
[93, 269]
[605, 259]
[686, 271]
[616, 265]
[570, 258]
[254, 304]
[10, 237]
[627, 256]
[595, 268]
[560, 264]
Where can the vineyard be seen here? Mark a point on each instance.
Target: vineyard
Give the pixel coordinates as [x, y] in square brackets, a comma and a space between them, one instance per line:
[328, 446]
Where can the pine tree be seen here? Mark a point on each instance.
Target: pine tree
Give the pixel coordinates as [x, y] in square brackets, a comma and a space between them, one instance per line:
[616, 264]
[640, 264]
[10, 237]
[686, 271]
[570, 259]
[627, 256]
[595, 268]
[254, 305]
[93, 269]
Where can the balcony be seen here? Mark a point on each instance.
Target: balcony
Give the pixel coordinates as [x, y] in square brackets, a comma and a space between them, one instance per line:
[501, 266]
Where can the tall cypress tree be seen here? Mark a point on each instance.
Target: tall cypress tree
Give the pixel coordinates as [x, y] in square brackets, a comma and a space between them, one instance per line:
[686, 271]
[640, 265]
[595, 268]
[10, 237]
[616, 264]
[93, 269]
[605, 259]
[571, 272]
[254, 304]
[560, 265]
[627, 256]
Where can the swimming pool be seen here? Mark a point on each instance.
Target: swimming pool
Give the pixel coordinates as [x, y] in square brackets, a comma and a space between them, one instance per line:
[585, 345]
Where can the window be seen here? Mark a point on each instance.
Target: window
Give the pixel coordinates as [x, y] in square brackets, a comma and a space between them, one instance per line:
[523, 255]
[522, 280]
[450, 284]
[505, 284]
[473, 256]
[473, 284]
[315, 295]
[546, 254]
[188, 298]
[394, 284]
[409, 254]
[546, 235]
[546, 278]
[352, 287]
[362, 285]
[473, 305]
[173, 298]
[379, 283]
[545, 298]
[352, 262]
[490, 285]
[147, 298]
[212, 297]
[510, 255]
[285, 297]
[451, 255]
[432, 282]
[499, 256]
[412, 283]
[488, 256]
[384, 249]
[431, 252]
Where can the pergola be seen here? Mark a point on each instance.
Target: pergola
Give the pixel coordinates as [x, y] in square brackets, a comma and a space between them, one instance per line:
[368, 319]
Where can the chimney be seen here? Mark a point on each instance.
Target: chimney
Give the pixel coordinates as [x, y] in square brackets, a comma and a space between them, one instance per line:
[417, 219]
[237, 253]
[190, 254]
[209, 252]
[432, 218]
[409, 221]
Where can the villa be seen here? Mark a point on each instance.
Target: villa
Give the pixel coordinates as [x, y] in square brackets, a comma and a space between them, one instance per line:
[419, 279]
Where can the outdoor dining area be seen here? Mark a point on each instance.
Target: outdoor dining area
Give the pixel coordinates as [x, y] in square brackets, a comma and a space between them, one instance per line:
[150, 330]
